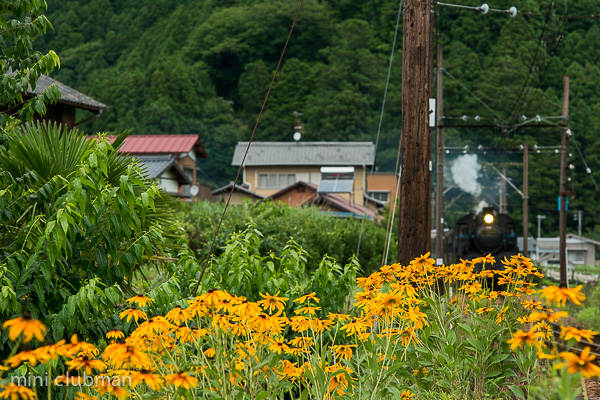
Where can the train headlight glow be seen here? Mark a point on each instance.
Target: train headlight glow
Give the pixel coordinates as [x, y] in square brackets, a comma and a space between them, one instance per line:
[488, 218]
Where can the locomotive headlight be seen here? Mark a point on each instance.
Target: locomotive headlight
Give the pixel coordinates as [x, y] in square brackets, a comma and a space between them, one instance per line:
[488, 218]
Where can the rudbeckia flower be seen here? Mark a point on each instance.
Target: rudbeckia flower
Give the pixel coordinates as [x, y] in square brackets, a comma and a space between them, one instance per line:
[569, 332]
[520, 337]
[132, 313]
[27, 326]
[153, 381]
[115, 334]
[182, 379]
[271, 302]
[140, 300]
[14, 392]
[178, 315]
[557, 295]
[307, 297]
[582, 363]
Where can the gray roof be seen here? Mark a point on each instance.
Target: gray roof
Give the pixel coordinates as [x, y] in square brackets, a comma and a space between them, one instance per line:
[157, 165]
[553, 242]
[68, 94]
[305, 153]
[239, 188]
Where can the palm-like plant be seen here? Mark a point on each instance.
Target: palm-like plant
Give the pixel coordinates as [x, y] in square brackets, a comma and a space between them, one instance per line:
[73, 210]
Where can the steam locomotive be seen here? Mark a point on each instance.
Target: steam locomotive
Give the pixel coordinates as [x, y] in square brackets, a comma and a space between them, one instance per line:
[487, 232]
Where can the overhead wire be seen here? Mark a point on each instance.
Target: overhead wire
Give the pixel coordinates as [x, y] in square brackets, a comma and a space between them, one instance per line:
[444, 70]
[247, 148]
[387, 82]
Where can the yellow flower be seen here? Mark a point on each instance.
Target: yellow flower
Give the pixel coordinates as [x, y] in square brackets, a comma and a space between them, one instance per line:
[557, 295]
[338, 316]
[547, 316]
[105, 386]
[118, 354]
[472, 288]
[115, 334]
[307, 297]
[356, 326]
[210, 353]
[86, 363]
[178, 315]
[27, 326]
[500, 316]
[83, 396]
[182, 379]
[26, 355]
[271, 302]
[581, 363]
[140, 300]
[133, 313]
[152, 380]
[406, 395]
[48, 352]
[520, 337]
[308, 309]
[278, 345]
[484, 309]
[15, 392]
[569, 332]
[213, 297]
[344, 351]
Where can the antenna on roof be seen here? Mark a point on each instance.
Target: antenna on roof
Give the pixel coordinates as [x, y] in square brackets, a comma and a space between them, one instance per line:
[298, 125]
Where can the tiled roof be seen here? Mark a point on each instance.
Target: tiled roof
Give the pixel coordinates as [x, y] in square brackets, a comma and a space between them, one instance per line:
[305, 153]
[342, 204]
[238, 188]
[68, 94]
[157, 165]
[162, 144]
[286, 189]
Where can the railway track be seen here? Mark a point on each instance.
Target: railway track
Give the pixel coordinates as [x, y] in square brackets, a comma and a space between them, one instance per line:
[579, 346]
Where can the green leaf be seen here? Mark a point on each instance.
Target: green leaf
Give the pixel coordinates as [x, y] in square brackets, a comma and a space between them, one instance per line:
[517, 391]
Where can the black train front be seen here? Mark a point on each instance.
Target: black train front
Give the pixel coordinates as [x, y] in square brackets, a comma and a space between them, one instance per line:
[487, 232]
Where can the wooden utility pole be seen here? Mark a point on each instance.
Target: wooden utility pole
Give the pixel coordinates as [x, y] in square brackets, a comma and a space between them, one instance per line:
[563, 186]
[414, 228]
[440, 156]
[525, 200]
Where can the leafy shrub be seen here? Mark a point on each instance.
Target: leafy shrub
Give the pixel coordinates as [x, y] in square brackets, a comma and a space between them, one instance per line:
[77, 220]
[318, 233]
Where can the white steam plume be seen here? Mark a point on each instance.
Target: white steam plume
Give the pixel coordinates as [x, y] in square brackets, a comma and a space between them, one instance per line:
[465, 171]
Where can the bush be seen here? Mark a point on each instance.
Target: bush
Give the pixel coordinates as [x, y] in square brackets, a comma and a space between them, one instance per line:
[319, 234]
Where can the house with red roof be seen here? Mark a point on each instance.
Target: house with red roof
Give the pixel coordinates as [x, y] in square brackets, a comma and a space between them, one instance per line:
[171, 161]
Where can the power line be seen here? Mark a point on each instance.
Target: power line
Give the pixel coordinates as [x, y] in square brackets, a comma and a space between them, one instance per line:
[471, 93]
[248, 148]
[387, 82]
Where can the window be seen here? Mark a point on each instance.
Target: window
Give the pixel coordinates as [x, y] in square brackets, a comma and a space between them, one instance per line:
[275, 181]
[382, 196]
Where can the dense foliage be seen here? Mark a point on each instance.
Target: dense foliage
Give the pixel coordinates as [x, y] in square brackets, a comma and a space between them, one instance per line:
[21, 22]
[318, 233]
[78, 219]
[203, 67]
[399, 340]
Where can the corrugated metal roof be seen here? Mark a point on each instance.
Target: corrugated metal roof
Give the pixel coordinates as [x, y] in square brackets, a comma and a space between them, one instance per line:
[68, 94]
[157, 165]
[305, 153]
[161, 144]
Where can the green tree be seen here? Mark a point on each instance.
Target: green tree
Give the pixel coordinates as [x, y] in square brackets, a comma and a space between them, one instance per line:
[21, 22]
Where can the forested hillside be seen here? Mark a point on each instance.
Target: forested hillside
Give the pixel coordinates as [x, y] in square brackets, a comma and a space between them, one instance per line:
[203, 66]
